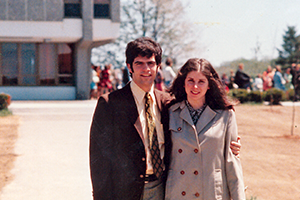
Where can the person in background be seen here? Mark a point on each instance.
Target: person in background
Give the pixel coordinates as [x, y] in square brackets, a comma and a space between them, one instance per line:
[118, 78]
[258, 83]
[105, 81]
[168, 73]
[94, 83]
[99, 70]
[121, 151]
[278, 79]
[159, 80]
[231, 84]
[225, 82]
[295, 71]
[202, 124]
[241, 78]
[288, 79]
[268, 78]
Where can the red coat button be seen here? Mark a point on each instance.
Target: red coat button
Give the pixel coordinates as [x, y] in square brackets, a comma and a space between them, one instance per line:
[183, 193]
[196, 172]
[179, 129]
[182, 172]
[197, 194]
[196, 150]
[180, 150]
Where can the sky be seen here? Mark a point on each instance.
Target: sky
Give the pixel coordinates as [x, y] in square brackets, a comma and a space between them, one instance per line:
[231, 29]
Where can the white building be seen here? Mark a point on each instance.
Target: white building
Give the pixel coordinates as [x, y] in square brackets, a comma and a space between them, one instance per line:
[45, 46]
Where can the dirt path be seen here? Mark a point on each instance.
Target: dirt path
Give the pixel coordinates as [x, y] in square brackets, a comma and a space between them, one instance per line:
[270, 155]
[8, 137]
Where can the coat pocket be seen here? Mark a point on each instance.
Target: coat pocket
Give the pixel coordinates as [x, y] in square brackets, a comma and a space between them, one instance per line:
[218, 184]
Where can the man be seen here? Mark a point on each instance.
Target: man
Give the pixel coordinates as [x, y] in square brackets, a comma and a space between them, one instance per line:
[241, 78]
[121, 161]
[295, 71]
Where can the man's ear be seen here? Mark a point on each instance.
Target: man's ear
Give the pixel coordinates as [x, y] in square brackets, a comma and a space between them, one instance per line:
[129, 68]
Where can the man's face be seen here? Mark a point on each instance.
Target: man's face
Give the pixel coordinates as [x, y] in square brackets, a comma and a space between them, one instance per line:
[143, 71]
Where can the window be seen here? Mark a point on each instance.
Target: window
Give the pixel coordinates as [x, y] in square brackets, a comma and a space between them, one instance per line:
[9, 64]
[27, 64]
[72, 8]
[101, 9]
[45, 64]
[65, 65]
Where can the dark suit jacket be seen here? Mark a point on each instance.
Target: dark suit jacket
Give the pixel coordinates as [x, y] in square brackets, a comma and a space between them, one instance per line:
[117, 152]
[242, 79]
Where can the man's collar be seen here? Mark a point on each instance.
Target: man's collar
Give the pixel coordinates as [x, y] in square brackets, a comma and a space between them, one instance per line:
[140, 93]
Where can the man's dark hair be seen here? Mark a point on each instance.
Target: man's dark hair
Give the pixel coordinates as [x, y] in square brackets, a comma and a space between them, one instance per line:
[145, 47]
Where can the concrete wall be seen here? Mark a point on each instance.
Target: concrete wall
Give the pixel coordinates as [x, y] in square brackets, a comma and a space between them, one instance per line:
[40, 92]
[32, 10]
[115, 10]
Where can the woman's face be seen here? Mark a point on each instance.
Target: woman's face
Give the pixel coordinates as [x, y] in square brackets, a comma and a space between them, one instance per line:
[196, 85]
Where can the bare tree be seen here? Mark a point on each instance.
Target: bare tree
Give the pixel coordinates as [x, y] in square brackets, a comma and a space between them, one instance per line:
[163, 20]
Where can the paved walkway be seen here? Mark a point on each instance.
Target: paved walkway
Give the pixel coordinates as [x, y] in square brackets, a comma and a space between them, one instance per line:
[52, 149]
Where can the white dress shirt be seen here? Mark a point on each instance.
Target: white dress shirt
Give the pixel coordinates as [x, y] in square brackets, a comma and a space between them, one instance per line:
[139, 97]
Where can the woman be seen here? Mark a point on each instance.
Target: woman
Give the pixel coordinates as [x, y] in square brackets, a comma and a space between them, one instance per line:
[105, 81]
[268, 78]
[202, 124]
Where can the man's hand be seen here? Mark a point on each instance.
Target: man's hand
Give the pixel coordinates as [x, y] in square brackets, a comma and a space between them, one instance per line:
[236, 147]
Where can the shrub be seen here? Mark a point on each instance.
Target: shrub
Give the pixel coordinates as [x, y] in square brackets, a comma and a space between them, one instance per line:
[290, 93]
[240, 94]
[4, 101]
[273, 95]
[256, 96]
[5, 112]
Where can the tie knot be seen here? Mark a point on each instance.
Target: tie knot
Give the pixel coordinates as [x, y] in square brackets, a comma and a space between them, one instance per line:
[147, 96]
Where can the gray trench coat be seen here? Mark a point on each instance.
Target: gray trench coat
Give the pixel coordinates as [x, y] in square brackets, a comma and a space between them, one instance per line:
[202, 163]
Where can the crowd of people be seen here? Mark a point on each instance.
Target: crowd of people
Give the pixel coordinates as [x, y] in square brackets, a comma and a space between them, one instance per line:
[271, 78]
[109, 79]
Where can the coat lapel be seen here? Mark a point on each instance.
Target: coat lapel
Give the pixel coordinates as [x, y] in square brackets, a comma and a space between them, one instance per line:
[206, 117]
[185, 114]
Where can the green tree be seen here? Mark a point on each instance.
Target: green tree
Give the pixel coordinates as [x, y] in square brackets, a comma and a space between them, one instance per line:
[290, 48]
[162, 20]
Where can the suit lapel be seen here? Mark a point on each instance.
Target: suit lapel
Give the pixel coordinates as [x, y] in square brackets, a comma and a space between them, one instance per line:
[158, 97]
[132, 111]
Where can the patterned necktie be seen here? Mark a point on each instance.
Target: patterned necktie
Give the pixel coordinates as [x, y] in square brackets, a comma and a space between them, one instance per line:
[153, 141]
